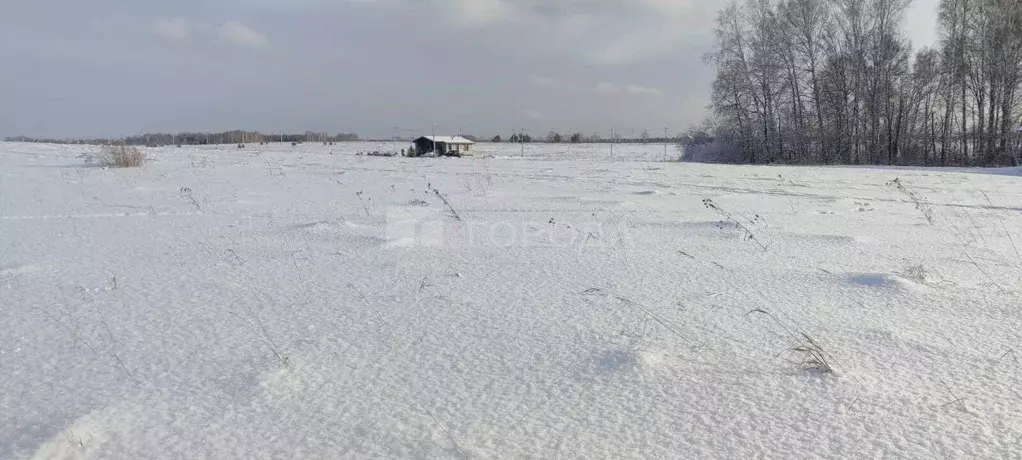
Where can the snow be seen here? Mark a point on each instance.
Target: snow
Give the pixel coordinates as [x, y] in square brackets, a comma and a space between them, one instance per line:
[1016, 171]
[449, 139]
[279, 302]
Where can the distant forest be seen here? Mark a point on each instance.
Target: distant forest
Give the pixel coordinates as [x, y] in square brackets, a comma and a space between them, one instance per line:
[246, 137]
[227, 137]
[837, 82]
[554, 137]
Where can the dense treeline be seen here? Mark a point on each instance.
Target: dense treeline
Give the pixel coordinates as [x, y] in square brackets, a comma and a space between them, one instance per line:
[554, 137]
[227, 137]
[836, 81]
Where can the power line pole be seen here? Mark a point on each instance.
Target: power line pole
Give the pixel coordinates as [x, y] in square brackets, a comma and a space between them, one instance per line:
[612, 143]
[521, 138]
[665, 145]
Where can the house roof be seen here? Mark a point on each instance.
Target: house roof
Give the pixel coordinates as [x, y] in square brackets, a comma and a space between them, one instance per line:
[448, 139]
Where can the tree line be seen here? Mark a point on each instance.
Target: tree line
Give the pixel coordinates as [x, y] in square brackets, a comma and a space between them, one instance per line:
[246, 137]
[837, 81]
[554, 137]
[226, 137]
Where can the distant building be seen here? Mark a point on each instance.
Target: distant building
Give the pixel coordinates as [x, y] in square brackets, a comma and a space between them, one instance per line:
[443, 145]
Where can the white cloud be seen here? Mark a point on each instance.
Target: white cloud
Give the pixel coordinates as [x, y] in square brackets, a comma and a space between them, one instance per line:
[533, 115]
[621, 32]
[649, 41]
[480, 13]
[614, 88]
[674, 9]
[172, 29]
[603, 32]
[240, 34]
[636, 89]
[608, 88]
[921, 23]
[542, 82]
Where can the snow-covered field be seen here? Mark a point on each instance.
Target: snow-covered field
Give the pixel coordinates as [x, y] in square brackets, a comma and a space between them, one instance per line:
[310, 303]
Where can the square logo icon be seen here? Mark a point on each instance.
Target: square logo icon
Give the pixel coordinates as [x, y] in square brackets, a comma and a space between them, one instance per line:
[414, 228]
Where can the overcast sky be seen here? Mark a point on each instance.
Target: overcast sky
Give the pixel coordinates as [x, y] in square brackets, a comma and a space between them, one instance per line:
[73, 68]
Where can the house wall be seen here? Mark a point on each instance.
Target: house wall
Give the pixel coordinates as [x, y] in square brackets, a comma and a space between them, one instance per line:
[423, 146]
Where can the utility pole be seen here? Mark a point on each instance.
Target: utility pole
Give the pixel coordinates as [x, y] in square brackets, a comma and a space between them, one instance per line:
[612, 143]
[665, 144]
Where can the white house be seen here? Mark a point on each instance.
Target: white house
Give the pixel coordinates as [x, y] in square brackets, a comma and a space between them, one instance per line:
[443, 145]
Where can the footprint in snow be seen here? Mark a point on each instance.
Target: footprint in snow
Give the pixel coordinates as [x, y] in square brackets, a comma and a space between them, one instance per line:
[881, 281]
[10, 271]
[611, 362]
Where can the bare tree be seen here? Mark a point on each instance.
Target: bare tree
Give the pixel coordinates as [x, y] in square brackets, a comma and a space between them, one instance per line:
[821, 81]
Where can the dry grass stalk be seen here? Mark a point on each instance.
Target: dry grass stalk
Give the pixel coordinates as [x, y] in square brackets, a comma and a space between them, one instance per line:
[711, 205]
[122, 156]
[921, 205]
[812, 356]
